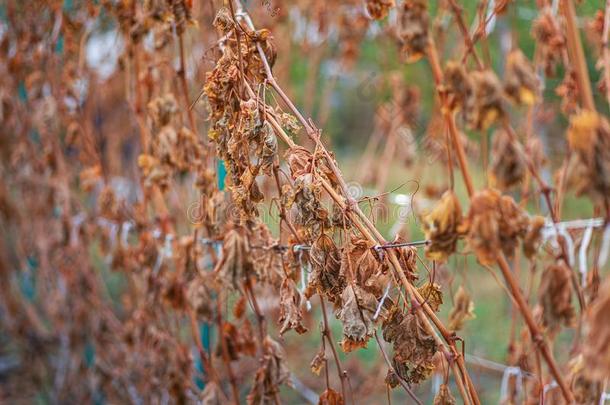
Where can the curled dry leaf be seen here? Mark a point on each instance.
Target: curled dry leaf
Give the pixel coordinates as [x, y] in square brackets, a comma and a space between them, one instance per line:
[413, 24]
[507, 166]
[270, 375]
[458, 86]
[236, 265]
[310, 212]
[494, 223]
[548, 32]
[589, 137]
[521, 83]
[358, 263]
[330, 397]
[413, 347]
[441, 227]
[462, 311]
[326, 277]
[290, 308]
[432, 295]
[556, 297]
[200, 299]
[596, 350]
[378, 9]
[318, 362]
[486, 106]
[356, 314]
[533, 237]
[444, 397]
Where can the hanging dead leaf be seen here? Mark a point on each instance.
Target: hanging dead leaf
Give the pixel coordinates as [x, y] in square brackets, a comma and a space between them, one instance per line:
[463, 309]
[290, 308]
[441, 227]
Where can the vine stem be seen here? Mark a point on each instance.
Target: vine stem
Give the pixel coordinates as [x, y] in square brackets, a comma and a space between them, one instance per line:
[606, 51]
[326, 333]
[577, 55]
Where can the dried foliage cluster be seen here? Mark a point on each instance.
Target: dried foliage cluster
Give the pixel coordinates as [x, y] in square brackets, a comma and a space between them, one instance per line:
[113, 293]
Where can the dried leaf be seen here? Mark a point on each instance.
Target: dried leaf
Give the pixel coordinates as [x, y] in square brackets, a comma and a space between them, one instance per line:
[318, 362]
[326, 277]
[463, 310]
[520, 80]
[444, 397]
[494, 223]
[555, 294]
[432, 295]
[356, 314]
[290, 308]
[596, 350]
[270, 375]
[236, 265]
[441, 227]
[330, 397]
[507, 166]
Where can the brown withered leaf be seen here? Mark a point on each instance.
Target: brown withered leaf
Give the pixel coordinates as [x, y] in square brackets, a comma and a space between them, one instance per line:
[330, 397]
[550, 39]
[299, 160]
[596, 350]
[290, 308]
[413, 347]
[407, 257]
[441, 227]
[238, 339]
[458, 86]
[521, 83]
[200, 298]
[432, 295]
[486, 106]
[444, 397]
[507, 166]
[235, 265]
[555, 296]
[270, 375]
[359, 264]
[356, 314]
[589, 136]
[378, 9]
[310, 212]
[239, 308]
[413, 22]
[326, 277]
[463, 309]
[494, 223]
[318, 362]
[533, 237]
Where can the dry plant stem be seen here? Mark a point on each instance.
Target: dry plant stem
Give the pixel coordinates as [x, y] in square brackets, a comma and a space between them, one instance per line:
[502, 263]
[577, 55]
[400, 380]
[260, 322]
[457, 11]
[327, 334]
[606, 51]
[182, 76]
[205, 360]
